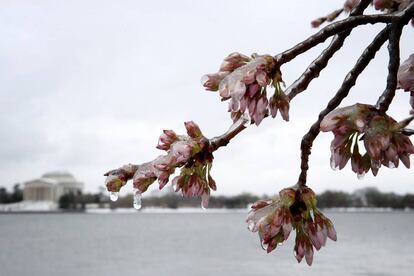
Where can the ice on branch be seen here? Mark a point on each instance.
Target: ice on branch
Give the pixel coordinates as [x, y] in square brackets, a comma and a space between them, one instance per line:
[244, 82]
[406, 78]
[189, 152]
[294, 209]
[382, 137]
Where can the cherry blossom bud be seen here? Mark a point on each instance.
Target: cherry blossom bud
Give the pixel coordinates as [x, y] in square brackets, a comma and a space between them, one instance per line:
[383, 4]
[166, 139]
[279, 102]
[261, 109]
[212, 81]
[116, 179]
[234, 61]
[193, 130]
[406, 75]
[350, 4]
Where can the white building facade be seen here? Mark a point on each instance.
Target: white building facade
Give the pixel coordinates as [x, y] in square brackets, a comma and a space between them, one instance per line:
[50, 187]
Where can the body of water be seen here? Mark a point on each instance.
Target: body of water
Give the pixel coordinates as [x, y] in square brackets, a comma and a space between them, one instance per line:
[195, 244]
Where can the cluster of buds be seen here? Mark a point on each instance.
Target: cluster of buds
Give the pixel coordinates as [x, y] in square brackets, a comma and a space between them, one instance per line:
[406, 78]
[244, 81]
[196, 180]
[295, 208]
[382, 137]
[188, 152]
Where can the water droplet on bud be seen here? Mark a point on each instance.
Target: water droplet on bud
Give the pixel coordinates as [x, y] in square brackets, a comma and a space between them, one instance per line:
[113, 196]
[361, 175]
[137, 199]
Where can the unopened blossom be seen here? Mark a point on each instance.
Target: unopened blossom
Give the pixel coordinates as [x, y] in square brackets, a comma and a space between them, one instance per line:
[195, 181]
[116, 179]
[166, 139]
[294, 209]
[406, 77]
[382, 137]
[406, 74]
[243, 81]
[390, 5]
[193, 130]
[234, 61]
[350, 4]
[279, 102]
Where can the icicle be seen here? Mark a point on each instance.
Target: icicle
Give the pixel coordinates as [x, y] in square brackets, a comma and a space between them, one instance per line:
[137, 199]
[113, 196]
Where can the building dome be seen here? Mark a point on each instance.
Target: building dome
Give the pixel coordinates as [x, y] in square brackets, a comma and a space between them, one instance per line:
[60, 176]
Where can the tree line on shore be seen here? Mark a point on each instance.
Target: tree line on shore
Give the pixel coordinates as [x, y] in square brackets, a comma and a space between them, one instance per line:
[366, 197]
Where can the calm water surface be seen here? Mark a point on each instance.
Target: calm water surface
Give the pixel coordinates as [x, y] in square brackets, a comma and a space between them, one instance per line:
[195, 244]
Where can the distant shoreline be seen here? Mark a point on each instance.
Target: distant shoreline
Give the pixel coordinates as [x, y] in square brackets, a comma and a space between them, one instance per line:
[195, 210]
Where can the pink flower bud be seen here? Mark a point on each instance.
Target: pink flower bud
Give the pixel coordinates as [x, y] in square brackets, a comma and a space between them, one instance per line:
[193, 130]
[406, 74]
[350, 4]
[212, 81]
[279, 102]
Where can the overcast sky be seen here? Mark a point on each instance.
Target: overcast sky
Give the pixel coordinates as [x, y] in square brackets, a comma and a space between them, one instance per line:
[87, 86]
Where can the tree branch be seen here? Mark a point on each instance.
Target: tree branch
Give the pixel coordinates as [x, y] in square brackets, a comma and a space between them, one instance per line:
[349, 82]
[387, 96]
[330, 30]
[313, 70]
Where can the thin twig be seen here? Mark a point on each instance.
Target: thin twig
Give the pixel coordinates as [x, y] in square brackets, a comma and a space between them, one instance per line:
[349, 81]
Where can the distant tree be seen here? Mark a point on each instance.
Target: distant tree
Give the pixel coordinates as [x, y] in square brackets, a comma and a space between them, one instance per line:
[4, 196]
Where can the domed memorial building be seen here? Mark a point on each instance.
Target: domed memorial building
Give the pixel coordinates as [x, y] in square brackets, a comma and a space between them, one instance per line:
[51, 186]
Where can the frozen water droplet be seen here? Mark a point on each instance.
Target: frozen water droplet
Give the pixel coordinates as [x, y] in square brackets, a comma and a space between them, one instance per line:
[280, 243]
[264, 245]
[113, 196]
[391, 165]
[137, 199]
[251, 225]
[334, 166]
[246, 119]
[361, 175]
[202, 206]
[204, 79]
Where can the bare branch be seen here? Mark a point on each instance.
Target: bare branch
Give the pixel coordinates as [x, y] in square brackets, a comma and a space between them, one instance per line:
[313, 70]
[330, 30]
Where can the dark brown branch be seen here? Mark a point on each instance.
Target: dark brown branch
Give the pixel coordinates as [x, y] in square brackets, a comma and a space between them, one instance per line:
[350, 79]
[407, 131]
[330, 30]
[314, 69]
[387, 96]
[224, 139]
